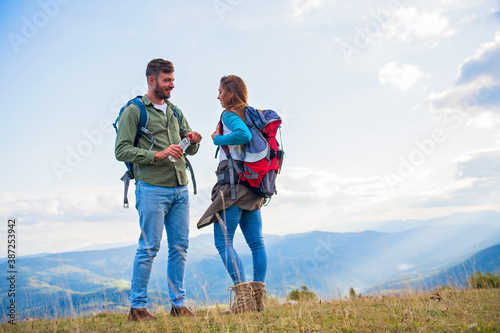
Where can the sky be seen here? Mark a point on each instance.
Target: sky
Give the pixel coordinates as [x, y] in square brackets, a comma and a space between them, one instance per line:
[390, 108]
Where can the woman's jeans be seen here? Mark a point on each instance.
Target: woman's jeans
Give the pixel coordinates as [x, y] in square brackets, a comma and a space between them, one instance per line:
[251, 225]
[158, 207]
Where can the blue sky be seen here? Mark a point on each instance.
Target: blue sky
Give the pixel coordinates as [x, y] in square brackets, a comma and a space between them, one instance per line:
[390, 108]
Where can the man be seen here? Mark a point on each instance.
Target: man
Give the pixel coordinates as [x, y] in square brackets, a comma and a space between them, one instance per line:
[162, 197]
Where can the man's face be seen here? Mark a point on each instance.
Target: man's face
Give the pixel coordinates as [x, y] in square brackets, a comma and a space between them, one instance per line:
[164, 85]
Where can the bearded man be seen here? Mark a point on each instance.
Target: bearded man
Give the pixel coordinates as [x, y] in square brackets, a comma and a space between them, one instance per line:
[162, 197]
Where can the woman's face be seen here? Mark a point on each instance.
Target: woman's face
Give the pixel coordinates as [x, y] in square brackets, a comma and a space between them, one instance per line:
[220, 96]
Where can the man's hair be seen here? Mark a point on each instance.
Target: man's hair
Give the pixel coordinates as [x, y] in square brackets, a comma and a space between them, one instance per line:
[157, 66]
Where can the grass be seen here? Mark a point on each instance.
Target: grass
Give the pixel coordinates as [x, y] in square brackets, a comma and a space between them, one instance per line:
[445, 310]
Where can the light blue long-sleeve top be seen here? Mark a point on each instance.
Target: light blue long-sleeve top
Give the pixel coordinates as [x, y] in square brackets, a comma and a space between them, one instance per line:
[235, 133]
[238, 133]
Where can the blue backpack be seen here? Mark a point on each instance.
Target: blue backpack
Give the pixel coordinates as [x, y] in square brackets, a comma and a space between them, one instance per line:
[141, 129]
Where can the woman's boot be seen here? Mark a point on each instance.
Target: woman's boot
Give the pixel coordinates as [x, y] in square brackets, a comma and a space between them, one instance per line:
[258, 296]
[243, 298]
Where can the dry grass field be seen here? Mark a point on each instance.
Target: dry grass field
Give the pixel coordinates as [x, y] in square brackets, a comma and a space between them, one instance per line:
[447, 310]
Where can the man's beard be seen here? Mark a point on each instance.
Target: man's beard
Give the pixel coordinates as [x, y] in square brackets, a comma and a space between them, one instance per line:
[160, 92]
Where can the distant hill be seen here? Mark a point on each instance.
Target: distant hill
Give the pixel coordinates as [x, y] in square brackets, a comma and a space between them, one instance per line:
[4, 259]
[328, 263]
[486, 217]
[487, 260]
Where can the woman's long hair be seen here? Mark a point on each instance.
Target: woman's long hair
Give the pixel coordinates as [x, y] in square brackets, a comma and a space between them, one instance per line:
[235, 94]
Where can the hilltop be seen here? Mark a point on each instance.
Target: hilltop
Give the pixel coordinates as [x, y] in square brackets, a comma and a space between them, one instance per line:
[445, 310]
[421, 256]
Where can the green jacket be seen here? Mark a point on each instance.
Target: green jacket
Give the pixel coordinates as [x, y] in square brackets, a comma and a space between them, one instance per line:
[166, 131]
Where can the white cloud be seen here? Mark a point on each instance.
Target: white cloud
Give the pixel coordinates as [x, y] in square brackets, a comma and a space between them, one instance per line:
[353, 200]
[401, 76]
[408, 23]
[303, 7]
[484, 62]
[308, 199]
[470, 97]
[404, 267]
[84, 204]
[70, 220]
[476, 95]
[477, 178]
[479, 164]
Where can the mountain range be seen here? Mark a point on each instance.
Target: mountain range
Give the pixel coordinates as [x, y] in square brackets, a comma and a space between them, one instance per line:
[421, 254]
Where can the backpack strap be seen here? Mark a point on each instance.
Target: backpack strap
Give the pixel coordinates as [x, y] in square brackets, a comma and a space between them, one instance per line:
[126, 182]
[141, 129]
[183, 133]
[182, 129]
[232, 168]
[191, 171]
[221, 129]
[230, 161]
[143, 122]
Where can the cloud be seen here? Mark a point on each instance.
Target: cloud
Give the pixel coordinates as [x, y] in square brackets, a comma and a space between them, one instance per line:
[303, 7]
[70, 220]
[477, 90]
[88, 204]
[477, 181]
[483, 63]
[408, 23]
[321, 200]
[401, 76]
[496, 12]
[320, 12]
[308, 199]
[394, 22]
[483, 164]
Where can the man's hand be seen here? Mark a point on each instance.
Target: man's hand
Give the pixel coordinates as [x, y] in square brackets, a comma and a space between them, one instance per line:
[195, 137]
[173, 150]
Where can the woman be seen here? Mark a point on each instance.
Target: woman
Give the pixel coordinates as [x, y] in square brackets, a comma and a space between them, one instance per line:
[244, 209]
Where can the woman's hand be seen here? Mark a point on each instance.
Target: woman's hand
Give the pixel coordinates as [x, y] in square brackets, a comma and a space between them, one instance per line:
[215, 133]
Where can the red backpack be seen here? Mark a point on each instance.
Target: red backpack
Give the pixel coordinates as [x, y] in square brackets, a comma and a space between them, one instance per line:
[263, 156]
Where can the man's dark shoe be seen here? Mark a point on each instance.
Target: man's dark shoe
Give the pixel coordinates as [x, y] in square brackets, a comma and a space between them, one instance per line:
[181, 311]
[140, 314]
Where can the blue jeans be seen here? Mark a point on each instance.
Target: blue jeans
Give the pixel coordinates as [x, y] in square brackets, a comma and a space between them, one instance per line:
[158, 207]
[251, 225]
